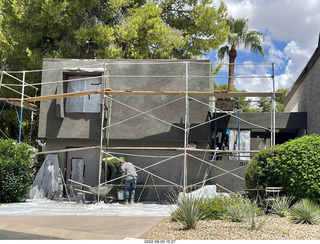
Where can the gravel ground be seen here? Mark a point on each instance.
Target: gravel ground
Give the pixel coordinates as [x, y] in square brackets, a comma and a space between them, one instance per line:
[274, 228]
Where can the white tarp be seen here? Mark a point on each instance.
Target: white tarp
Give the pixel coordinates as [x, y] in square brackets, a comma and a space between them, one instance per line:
[206, 192]
[45, 207]
[245, 143]
[47, 181]
[83, 104]
[77, 173]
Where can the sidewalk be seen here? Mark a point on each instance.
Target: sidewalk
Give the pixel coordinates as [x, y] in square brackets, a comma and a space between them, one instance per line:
[81, 227]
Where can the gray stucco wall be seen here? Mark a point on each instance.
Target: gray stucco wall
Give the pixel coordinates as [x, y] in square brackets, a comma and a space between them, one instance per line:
[162, 169]
[127, 75]
[306, 98]
[230, 174]
[62, 130]
[288, 121]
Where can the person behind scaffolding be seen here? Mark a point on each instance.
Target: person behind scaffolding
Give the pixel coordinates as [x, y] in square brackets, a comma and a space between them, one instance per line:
[131, 176]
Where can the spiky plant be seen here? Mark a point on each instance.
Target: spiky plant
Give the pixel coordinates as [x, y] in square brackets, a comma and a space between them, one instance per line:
[188, 211]
[281, 206]
[240, 209]
[305, 211]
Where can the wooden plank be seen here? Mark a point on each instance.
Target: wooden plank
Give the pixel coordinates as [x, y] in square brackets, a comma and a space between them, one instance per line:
[88, 192]
[79, 183]
[65, 95]
[217, 94]
[17, 102]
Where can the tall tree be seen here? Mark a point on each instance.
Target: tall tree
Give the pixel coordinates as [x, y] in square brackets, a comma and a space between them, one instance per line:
[239, 34]
[31, 30]
[265, 102]
[111, 29]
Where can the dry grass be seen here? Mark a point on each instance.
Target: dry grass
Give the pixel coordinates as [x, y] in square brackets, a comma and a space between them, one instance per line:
[274, 228]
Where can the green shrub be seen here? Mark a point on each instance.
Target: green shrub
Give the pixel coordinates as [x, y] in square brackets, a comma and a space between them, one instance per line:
[305, 212]
[294, 165]
[215, 208]
[281, 206]
[188, 211]
[258, 170]
[240, 209]
[16, 170]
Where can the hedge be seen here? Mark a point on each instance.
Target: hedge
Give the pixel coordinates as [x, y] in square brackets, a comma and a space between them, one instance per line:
[17, 170]
[294, 165]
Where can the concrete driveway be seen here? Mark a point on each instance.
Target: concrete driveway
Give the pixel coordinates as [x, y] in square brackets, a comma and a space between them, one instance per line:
[80, 227]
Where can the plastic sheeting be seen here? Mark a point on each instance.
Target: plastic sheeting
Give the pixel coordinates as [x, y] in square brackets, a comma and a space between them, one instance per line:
[206, 192]
[48, 179]
[77, 172]
[245, 143]
[45, 207]
[83, 104]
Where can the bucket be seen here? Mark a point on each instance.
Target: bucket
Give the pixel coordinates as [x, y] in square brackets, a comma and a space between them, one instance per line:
[120, 193]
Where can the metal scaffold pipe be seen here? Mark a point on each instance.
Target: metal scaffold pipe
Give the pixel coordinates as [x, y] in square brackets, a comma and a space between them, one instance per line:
[21, 110]
[186, 131]
[273, 110]
[101, 129]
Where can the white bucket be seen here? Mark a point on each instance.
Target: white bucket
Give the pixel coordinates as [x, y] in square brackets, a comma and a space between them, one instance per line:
[120, 193]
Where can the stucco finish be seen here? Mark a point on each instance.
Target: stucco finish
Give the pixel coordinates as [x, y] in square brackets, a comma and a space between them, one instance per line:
[63, 130]
[304, 95]
[127, 75]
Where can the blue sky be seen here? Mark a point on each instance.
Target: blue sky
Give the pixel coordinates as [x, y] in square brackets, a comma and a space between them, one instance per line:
[291, 29]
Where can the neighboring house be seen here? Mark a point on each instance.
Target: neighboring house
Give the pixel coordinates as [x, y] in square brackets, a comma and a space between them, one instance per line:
[305, 92]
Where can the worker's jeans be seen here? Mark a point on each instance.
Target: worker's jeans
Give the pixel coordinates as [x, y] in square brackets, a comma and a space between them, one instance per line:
[130, 187]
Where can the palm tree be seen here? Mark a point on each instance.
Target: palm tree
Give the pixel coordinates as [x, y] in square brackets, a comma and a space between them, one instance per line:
[239, 34]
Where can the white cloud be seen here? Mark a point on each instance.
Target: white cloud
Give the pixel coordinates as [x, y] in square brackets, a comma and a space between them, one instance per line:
[288, 21]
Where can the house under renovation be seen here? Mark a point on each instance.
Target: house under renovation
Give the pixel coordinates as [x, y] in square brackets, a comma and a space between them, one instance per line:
[141, 117]
[161, 115]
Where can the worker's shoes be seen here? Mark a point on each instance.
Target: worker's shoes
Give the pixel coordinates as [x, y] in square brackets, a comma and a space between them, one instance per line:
[132, 203]
[125, 203]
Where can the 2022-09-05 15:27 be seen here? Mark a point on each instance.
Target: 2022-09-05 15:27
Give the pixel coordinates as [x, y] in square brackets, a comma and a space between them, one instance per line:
[160, 241]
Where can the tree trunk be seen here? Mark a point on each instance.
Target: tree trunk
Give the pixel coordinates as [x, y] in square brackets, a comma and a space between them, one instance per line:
[232, 57]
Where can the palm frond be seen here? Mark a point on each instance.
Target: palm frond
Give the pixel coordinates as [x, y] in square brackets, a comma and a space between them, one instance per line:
[241, 27]
[239, 33]
[223, 51]
[234, 39]
[254, 48]
[253, 41]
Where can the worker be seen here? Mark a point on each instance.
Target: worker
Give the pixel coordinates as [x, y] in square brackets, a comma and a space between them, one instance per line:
[130, 181]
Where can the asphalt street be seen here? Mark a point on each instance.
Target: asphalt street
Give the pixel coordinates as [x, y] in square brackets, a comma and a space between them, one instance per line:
[12, 235]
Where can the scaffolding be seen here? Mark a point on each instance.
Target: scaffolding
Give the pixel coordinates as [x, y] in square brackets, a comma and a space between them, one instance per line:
[107, 100]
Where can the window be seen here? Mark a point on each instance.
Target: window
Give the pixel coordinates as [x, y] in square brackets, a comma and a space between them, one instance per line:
[83, 104]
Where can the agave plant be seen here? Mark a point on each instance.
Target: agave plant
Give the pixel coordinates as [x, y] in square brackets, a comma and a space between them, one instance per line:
[188, 211]
[281, 206]
[305, 211]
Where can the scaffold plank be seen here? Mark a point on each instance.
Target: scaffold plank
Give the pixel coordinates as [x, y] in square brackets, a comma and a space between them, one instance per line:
[17, 101]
